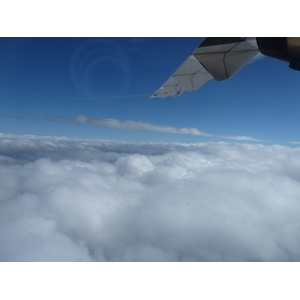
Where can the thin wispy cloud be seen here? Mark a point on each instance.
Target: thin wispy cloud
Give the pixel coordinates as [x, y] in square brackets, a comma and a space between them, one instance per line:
[13, 118]
[135, 125]
[138, 125]
[132, 125]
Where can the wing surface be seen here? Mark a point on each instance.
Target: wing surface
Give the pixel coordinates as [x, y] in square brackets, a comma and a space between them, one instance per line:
[188, 77]
[218, 58]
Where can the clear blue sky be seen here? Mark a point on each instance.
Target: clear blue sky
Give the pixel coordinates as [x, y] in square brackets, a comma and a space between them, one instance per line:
[46, 82]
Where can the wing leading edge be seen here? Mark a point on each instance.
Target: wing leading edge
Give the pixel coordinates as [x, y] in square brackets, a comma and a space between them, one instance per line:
[218, 58]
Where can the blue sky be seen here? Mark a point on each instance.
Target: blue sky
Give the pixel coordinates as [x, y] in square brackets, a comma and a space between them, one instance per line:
[47, 82]
[44, 86]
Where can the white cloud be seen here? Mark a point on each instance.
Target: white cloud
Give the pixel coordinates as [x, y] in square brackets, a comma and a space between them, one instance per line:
[133, 125]
[138, 125]
[87, 200]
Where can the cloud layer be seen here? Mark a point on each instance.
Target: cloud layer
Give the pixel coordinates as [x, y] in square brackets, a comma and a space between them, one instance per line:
[87, 200]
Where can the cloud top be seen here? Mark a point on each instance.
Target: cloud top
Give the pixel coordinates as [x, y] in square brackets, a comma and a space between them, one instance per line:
[87, 200]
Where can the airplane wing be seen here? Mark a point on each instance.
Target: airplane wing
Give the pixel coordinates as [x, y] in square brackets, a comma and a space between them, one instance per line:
[217, 57]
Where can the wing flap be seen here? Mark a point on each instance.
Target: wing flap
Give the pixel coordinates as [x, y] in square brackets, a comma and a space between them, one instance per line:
[190, 76]
[170, 88]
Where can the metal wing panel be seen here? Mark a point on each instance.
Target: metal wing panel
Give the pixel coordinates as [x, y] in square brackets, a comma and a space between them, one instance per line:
[170, 88]
[190, 66]
[217, 57]
[214, 62]
[234, 61]
[200, 78]
[189, 76]
[224, 60]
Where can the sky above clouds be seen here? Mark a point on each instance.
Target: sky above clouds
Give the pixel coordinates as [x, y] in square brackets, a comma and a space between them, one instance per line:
[94, 170]
[89, 200]
[91, 169]
[46, 82]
